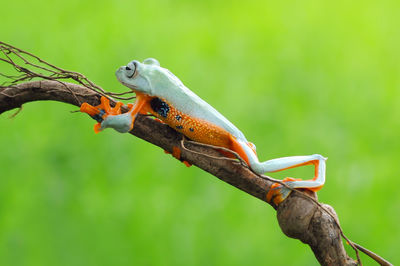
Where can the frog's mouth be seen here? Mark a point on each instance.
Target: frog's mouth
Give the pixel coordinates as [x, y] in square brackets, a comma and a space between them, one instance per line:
[133, 87]
[123, 78]
[130, 77]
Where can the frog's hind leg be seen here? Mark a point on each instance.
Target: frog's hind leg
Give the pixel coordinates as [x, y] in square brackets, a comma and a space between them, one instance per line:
[278, 192]
[176, 153]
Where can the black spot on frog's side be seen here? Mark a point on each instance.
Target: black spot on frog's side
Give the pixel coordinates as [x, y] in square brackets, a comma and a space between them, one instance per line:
[178, 117]
[179, 127]
[159, 106]
[191, 129]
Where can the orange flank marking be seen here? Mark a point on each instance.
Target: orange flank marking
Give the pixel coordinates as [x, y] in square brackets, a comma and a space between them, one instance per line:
[196, 129]
[200, 130]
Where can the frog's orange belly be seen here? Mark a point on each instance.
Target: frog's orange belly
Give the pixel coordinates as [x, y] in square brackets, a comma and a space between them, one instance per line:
[196, 129]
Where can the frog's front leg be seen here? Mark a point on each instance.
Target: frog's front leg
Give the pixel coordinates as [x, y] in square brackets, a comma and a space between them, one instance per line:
[109, 117]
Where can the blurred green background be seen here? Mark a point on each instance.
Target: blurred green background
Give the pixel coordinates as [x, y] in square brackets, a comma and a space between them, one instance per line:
[298, 77]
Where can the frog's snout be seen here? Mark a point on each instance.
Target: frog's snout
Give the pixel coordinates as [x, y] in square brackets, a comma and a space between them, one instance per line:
[120, 70]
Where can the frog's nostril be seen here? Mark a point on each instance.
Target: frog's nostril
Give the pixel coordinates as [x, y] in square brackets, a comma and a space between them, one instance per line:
[127, 68]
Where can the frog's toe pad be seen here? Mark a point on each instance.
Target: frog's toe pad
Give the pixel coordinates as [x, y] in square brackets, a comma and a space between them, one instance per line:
[278, 192]
[122, 123]
[176, 153]
[108, 116]
[187, 163]
[97, 128]
[89, 109]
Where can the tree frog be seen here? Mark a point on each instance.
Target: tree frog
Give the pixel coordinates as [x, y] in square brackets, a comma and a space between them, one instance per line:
[162, 94]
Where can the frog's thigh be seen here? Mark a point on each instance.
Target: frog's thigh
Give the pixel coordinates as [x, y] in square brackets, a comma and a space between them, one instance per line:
[238, 148]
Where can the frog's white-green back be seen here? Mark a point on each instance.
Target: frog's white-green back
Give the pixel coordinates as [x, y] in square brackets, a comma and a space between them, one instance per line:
[151, 79]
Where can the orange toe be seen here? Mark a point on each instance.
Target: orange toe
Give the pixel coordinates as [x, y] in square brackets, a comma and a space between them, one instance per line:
[102, 111]
[187, 163]
[117, 109]
[273, 190]
[274, 194]
[105, 104]
[277, 199]
[275, 185]
[176, 152]
[97, 128]
[89, 109]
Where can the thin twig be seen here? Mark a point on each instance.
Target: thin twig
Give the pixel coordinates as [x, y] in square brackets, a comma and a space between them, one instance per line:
[16, 113]
[54, 72]
[57, 74]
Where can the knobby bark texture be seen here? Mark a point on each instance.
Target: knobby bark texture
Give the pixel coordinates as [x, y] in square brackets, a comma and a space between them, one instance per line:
[298, 217]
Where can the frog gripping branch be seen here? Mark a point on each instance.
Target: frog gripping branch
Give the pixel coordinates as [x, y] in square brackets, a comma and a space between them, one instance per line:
[216, 145]
[163, 95]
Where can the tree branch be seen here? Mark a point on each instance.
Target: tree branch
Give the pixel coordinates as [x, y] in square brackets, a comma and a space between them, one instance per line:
[299, 217]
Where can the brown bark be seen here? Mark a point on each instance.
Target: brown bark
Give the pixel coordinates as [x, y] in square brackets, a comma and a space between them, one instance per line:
[298, 217]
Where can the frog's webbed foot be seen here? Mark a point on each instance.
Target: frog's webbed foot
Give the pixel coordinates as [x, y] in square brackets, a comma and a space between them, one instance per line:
[108, 116]
[278, 192]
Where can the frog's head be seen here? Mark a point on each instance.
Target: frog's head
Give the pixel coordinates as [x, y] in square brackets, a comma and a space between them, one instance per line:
[145, 77]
